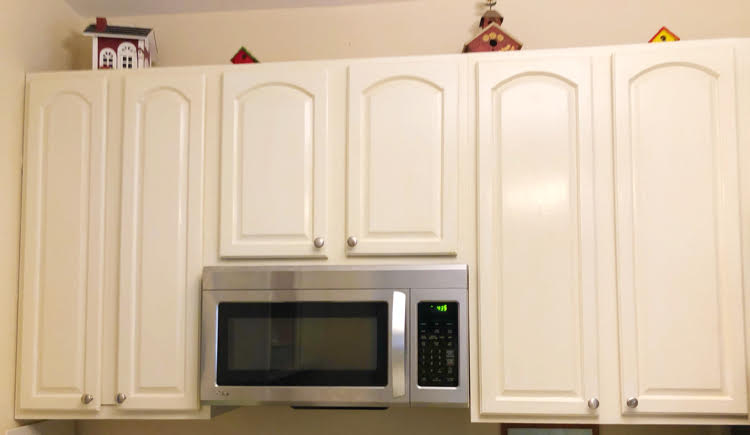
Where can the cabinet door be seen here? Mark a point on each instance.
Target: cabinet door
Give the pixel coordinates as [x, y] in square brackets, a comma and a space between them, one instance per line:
[678, 232]
[63, 236]
[402, 186]
[161, 243]
[537, 289]
[273, 162]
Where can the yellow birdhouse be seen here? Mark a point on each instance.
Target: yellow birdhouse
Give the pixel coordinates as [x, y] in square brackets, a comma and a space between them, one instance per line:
[664, 35]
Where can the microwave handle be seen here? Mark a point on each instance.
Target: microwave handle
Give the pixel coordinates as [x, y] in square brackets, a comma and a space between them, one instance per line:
[398, 344]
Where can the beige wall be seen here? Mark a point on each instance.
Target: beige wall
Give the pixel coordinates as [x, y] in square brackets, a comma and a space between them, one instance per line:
[431, 27]
[34, 35]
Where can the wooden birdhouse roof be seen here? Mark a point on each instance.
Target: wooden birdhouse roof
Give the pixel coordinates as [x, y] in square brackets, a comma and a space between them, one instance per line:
[243, 55]
[503, 41]
[118, 32]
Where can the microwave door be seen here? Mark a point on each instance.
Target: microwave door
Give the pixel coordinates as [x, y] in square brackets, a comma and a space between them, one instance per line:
[305, 347]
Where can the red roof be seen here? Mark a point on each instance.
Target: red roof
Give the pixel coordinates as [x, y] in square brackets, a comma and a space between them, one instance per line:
[491, 38]
[244, 56]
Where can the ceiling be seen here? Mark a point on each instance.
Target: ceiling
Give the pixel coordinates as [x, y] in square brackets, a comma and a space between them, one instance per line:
[92, 8]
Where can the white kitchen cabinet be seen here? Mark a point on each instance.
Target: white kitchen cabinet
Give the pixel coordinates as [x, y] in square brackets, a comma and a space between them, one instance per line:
[538, 333]
[402, 186]
[66, 336]
[601, 225]
[273, 162]
[161, 241]
[62, 243]
[678, 233]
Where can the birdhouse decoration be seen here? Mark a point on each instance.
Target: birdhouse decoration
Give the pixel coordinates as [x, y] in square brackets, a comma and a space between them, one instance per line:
[243, 56]
[491, 37]
[120, 47]
[664, 35]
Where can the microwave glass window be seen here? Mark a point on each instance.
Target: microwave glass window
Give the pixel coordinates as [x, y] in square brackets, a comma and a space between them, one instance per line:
[306, 343]
[303, 343]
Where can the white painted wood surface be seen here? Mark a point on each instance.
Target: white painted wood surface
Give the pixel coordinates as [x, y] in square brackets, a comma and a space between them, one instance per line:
[273, 173]
[402, 184]
[161, 244]
[63, 236]
[538, 333]
[678, 232]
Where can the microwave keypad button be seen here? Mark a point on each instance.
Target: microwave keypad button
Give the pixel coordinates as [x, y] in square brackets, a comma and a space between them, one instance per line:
[436, 353]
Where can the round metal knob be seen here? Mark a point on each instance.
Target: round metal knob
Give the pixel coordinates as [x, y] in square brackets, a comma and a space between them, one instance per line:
[319, 242]
[87, 398]
[352, 241]
[632, 402]
[593, 403]
[120, 397]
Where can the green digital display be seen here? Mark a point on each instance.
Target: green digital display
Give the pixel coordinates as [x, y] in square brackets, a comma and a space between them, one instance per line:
[442, 308]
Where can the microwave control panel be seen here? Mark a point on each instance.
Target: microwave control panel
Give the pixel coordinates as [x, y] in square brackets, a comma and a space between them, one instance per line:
[437, 353]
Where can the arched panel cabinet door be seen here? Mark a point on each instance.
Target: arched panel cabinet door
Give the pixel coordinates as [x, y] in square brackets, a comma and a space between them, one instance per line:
[161, 242]
[62, 245]
[538, 330]
[678, 233]
[402, 184]
[273, 162]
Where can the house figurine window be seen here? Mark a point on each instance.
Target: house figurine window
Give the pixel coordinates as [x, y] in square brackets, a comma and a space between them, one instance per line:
[126, 52]
[107, 59]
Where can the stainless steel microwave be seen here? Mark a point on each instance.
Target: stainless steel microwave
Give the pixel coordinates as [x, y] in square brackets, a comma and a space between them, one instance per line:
[350, 336]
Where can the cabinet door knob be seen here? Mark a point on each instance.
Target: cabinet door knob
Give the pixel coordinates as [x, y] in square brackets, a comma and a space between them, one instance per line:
[87, 398]
[632, 402]
[319, 242]
[593, 403]
[120, 397]
[352, 241]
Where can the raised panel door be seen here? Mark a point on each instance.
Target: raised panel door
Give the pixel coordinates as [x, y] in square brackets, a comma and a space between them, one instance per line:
[402, 185]
[273, 163]
[678, 232]
[62, 245]
[161, 241]
[538, 331]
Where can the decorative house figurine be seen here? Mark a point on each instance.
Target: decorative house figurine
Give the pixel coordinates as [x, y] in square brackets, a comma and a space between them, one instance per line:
[664, 35]
[244, 56]
[119, 47]
[491, 38]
